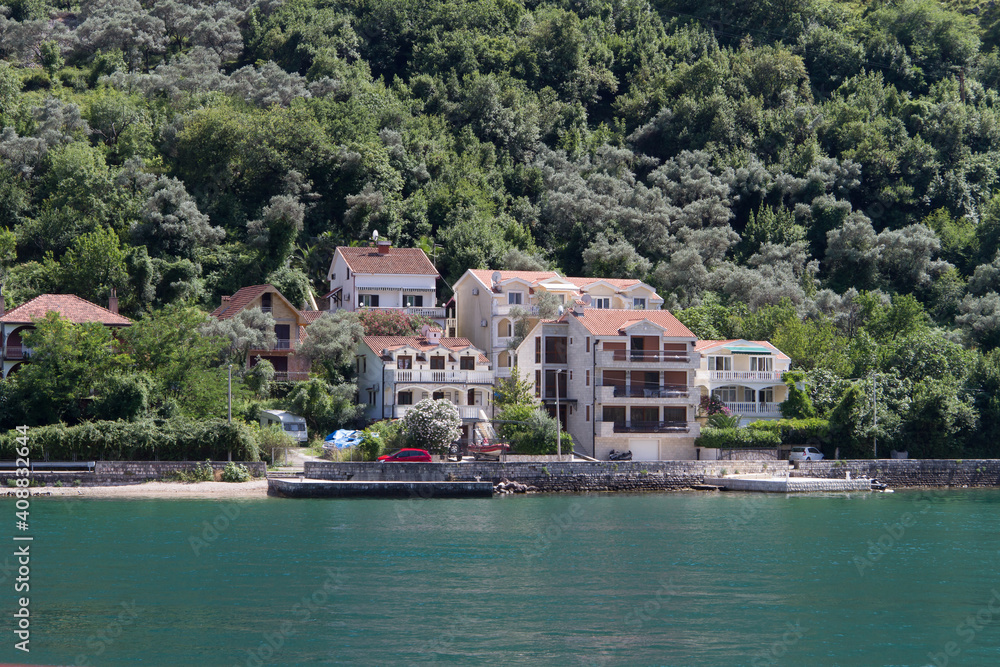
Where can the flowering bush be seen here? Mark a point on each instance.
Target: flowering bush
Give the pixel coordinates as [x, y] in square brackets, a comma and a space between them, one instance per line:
[711, 405]
[432, 425]
[381, 322]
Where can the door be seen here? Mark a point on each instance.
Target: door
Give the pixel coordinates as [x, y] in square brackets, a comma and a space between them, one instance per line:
[645, 450]
[283, 332]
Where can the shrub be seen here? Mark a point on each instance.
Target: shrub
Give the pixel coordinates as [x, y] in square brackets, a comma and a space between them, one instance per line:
[203, 472]
[381, 437]
[235, 473]
[535, 434]
[712, 405]
[796, 431]
[737, 438]
[432, 425]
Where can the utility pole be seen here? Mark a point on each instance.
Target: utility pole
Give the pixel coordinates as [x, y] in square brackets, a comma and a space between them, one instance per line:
[558, 423]
[229, 411]
[874, 415]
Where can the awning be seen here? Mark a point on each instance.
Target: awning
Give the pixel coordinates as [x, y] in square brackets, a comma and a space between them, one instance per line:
[749, 349]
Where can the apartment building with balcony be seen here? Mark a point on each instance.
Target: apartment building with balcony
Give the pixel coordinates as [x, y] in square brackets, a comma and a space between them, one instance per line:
[746, 375]
[289, 327]
[381, 276]
[70, 307]
[485, 301]
[397, 372]
[622, 379]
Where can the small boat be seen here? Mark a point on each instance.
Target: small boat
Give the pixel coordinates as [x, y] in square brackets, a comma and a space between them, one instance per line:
[488, 449]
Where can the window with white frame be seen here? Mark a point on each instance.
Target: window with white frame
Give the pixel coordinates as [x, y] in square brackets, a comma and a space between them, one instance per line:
[761, 364]
[368, 300]
[766, 395]
[725, 394]
[720, 363]
[413, 301]
[515, 298]
[639, 303]
[602, 302]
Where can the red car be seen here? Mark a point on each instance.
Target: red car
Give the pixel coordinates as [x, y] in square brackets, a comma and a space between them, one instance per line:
[407, 456]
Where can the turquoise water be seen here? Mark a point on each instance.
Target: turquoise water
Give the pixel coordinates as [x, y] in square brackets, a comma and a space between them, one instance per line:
[672, 579]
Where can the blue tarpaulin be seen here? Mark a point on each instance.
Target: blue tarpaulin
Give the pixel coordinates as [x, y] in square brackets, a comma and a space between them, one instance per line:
[343, 438]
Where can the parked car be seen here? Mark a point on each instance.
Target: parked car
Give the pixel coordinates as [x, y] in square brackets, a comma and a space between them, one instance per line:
[407, 456]
[805, 454]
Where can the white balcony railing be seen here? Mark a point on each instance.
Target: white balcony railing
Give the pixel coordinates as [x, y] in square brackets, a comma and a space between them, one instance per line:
[503, 372]
[750, 408]
[464, 411]
[432, 313]
[632, 357]
[505, 308]
[444, 377]
[746, 376]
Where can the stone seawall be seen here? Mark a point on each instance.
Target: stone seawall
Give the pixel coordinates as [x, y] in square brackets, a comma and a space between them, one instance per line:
[663, 475]
[902, 473]
[120, 473]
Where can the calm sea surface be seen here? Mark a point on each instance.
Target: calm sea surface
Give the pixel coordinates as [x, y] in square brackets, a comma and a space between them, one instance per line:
[673, 579]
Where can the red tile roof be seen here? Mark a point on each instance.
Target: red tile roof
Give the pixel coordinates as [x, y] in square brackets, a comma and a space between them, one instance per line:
[313, 315]
[69, 306]
[486, 275]
[619, 283]
[369, 260]
[231, 305]
[708, 344]
[379, 343]
[601, 322]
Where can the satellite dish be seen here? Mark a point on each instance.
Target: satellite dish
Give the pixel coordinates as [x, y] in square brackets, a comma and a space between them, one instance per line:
[375, 235]
[561, 311]
[587, 299]
[496, 277]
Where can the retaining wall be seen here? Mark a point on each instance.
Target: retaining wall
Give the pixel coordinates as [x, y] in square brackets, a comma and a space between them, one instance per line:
[663, 475]
[119, 473]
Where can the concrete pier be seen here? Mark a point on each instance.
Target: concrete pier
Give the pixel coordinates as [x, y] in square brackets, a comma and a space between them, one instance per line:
[782, 484]
[319, 488]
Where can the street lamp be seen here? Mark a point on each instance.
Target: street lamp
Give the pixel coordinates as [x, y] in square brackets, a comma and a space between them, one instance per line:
[229, 412]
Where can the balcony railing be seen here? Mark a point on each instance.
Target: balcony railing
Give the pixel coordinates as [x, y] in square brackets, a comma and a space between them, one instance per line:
[432, 313]
[444, 377]
[504, 308]
[642, 356]
[751, 408]
[643, 391]
[503, 372]
[629, 426]
[464, 411]
[17, 352]
[290, 376]
[282, 344]
[747, 376]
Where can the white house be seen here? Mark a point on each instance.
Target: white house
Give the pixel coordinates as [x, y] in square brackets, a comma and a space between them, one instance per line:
[383, 277]
[746, 375]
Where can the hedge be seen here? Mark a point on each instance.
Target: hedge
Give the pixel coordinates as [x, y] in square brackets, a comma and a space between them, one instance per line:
[141, 440]
[796, 431]
[737, 438]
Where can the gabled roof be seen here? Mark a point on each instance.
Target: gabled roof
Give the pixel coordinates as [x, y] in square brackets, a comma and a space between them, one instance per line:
[311, 316]
[421, 344]
[69, 307]
[706, 345]
[617, 283]
[368, 260]
[233, 305]
[485, 276]
[607, 322]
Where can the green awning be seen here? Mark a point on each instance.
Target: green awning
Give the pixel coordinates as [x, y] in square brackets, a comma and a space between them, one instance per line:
[749, 349]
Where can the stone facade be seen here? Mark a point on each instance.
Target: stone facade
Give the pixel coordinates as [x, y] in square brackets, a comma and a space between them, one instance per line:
[120, 473]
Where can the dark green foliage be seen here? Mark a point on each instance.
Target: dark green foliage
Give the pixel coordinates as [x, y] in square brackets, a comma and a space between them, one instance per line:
[798, 405]
[796, 431]
[737, 438]
[535, 432]
[141, 440]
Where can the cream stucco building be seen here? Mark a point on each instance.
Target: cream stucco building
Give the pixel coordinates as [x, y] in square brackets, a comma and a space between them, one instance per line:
[746, 375]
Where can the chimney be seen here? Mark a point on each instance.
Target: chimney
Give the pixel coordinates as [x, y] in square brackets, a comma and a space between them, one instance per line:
[383, 247]
[431, 333]
[113, 301]
[226, 299]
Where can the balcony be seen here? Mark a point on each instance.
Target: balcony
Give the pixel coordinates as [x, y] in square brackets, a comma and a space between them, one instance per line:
[444, 377]
[749, 408]
[470, 412]
[743, 376]
[503, 372]
[608, 392]
[17, 352]
[629, 426]
[430, 313]
[504, 309]
[290, 376]
[628, 357]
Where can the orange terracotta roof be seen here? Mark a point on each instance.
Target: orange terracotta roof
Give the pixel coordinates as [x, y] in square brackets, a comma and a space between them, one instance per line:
[369, 260]
[69, 307]
[379, 343]
[709, 344]
[620, 283]
[602, 322]
[312, 315]
[486, 275]
[231, 305]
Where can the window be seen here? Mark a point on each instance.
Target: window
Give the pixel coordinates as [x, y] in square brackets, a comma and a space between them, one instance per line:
[602, 302]
[413, 301]
[725, 394]
[437, 395]
[538, 383]
[766, 395]
[265, 302]
[747, 395]
[614, 414]
[538, 350]
[588, 414]
[467, 363]
[761, 364]
[368, 300]
[639, 303]
[514, 298]
[555, 349]
[550, 384]
[674, 414]
[720, 363]
[588, 343]
[437, 363]
[588, 378]
[404, 363]
[405, 398]
[362, 364]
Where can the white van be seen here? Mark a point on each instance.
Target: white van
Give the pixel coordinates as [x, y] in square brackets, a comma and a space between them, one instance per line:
[293, 425]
